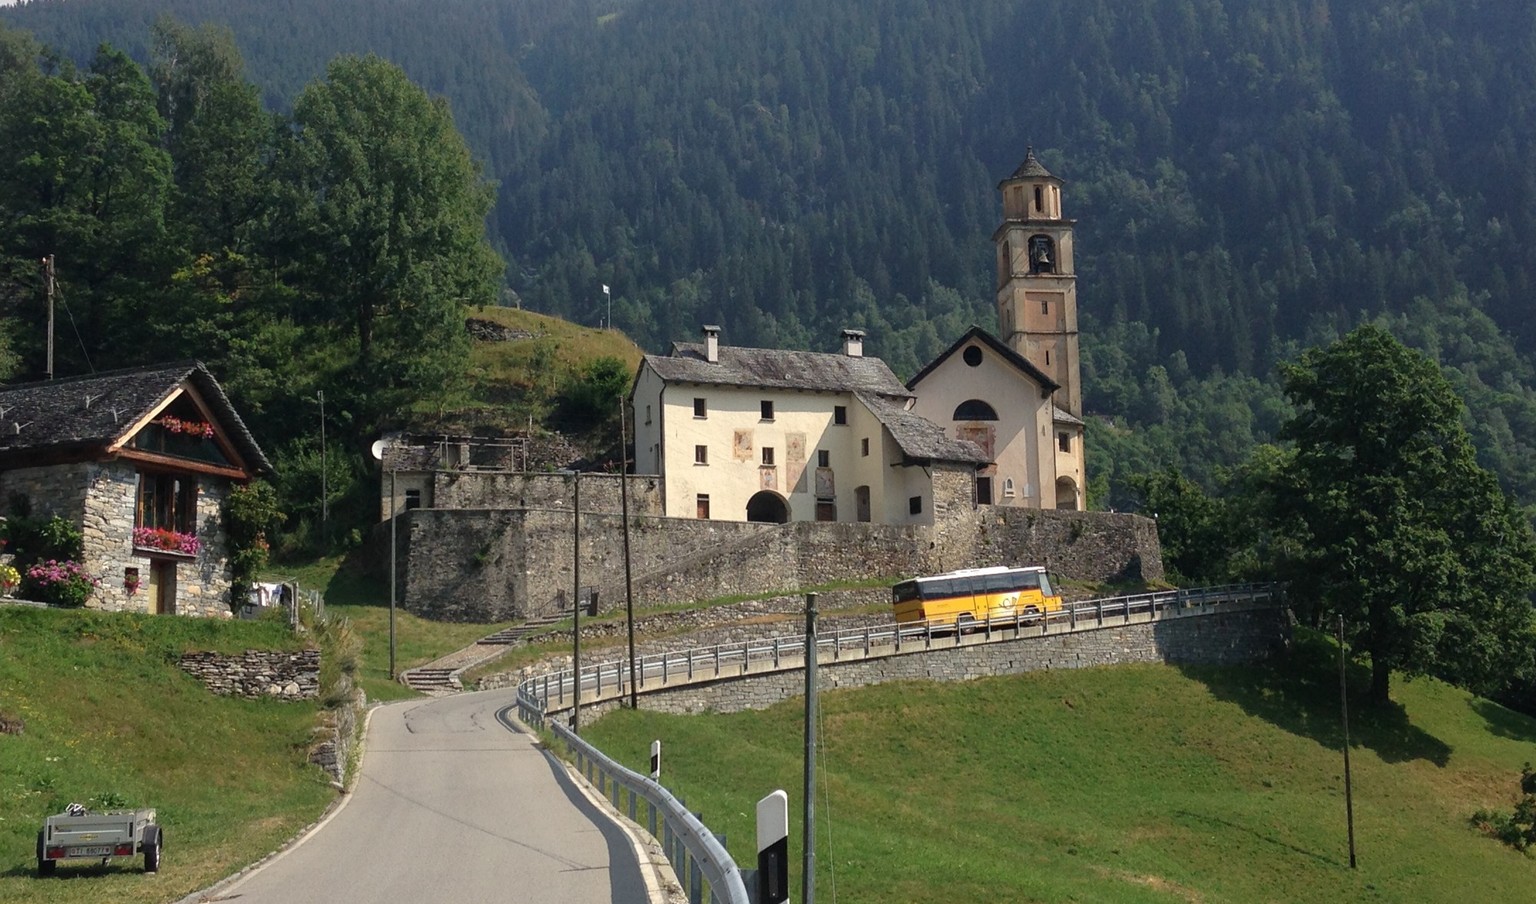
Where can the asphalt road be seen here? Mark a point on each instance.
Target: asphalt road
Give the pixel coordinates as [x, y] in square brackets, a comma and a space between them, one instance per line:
[453, 805]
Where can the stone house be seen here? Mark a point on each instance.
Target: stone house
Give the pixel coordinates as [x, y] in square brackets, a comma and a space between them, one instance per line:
[767, 435]
[141, 460]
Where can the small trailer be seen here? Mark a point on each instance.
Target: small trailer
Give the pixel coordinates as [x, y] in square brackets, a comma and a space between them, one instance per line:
[78, 834]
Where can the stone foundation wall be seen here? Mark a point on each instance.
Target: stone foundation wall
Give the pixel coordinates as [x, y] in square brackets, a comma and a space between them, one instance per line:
[600, 493]
[257, 674]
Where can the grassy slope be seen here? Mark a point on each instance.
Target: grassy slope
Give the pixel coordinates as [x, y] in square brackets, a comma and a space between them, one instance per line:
[109, 719]
[1137, 783]
[513, 381]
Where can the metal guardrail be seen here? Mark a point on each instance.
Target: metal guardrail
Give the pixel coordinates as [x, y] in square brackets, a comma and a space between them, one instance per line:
[610, 680]
[699, 859]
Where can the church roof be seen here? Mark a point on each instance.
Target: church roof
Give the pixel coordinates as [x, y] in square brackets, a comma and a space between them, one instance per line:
[1031, 168]
[766, 368]
[919, 438]
[83, 416]
[997, 345]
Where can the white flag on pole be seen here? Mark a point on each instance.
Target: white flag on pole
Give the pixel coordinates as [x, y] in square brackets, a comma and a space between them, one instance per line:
[605, 288]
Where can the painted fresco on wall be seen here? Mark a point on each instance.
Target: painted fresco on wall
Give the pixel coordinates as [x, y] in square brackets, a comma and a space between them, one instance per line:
[826, 488]
[769, 478]
[741, 445]
[794, 447]
[983, 435]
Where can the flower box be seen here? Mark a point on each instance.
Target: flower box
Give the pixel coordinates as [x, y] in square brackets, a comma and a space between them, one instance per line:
[164, 540]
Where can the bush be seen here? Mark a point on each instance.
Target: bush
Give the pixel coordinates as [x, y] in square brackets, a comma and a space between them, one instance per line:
[1517, 829]
[64, 583]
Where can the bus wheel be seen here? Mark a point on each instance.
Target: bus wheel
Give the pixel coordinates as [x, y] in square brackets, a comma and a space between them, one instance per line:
[965, 623]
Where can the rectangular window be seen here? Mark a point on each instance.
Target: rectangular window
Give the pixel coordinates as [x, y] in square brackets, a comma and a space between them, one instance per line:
[1045, 307]
[1064, 442]
[647, 414]
[703, 506]
[167, 502]
[840, 414]
[412, 499]
[767, 407]
[864, 446]
[823, 458]
[1047, 357]
[767, 455]
[915, 505]
[701, 455]
[698, 408]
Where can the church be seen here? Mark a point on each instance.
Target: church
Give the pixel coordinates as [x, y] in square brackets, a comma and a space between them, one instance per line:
[743, 434]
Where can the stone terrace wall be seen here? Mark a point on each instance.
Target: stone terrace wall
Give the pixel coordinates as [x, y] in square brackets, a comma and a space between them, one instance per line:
[256, 674]
[1227, 638]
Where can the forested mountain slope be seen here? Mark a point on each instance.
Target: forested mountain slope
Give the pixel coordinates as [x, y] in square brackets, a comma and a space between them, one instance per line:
[1248, 177]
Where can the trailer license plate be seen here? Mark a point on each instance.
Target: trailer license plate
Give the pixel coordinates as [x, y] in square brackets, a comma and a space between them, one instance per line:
[95, 850]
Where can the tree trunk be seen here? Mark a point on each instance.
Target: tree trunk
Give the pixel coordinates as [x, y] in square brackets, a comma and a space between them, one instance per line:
[1381, 681]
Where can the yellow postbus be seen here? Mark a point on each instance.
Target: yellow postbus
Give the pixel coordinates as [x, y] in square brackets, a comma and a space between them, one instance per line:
[972, 595]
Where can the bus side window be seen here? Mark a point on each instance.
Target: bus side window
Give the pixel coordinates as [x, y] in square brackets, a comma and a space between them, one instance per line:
[998, 583]
[1045, 586]
[1032, 581]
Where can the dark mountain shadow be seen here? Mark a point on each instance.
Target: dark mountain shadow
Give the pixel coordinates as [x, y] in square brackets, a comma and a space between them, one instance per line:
[1298, 690]
[1505, 722]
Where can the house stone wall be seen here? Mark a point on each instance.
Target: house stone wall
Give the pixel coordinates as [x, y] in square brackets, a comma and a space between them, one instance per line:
[99, 498]
[255, 674]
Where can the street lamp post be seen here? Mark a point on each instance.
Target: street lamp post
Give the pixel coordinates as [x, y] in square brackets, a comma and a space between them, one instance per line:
[393, 572]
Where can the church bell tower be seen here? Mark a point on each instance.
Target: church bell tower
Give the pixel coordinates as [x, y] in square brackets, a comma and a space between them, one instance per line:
[1036, 282]
[1037, 315]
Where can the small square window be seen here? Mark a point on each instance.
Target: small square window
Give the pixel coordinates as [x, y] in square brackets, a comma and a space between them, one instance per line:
[698, 408]
[915, 505]
[1064, 442]
[703, 506]
[864, 446]
[767, 407]
[767, 455]
[412, 499]
[701, 455]
[823, 458]
[840, 414]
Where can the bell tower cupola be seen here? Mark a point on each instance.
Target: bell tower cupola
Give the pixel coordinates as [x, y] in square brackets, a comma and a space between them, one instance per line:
[1036, 280]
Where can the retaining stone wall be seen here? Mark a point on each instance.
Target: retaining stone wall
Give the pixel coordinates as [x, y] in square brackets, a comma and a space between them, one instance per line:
[497, 565]
[257, 674]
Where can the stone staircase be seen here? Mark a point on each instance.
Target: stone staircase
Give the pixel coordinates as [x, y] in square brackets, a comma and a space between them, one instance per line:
[429, 680]
[516, 633]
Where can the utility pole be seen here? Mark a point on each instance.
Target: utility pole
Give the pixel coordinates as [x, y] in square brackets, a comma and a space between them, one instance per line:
[629, 590]
[1349, 796]
[325, 504]
[808, 879]
[48, 291]
[576, 598]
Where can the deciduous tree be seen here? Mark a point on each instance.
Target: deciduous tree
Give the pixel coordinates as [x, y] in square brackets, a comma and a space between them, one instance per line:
[1405, 535]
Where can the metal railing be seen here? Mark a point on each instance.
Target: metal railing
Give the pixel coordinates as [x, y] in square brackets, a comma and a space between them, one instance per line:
[610, 680]
[699, 859]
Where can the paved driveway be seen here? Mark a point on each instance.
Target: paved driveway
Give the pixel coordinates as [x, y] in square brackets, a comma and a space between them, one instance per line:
[454, 805]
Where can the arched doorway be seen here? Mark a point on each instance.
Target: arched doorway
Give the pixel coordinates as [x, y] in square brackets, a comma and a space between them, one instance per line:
[768, 507]
[1066, 494]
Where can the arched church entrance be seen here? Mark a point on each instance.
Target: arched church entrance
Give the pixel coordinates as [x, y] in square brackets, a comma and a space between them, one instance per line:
[1066, 494]
[767, 507]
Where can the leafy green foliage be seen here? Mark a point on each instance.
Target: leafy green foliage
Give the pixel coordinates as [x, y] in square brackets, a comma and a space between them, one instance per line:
[1516, 829]
[252, 513]
[1403, 533]
[589, 400]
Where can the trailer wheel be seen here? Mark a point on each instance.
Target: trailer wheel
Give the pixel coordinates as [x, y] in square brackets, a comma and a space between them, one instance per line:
[153, 840]
[45, 867]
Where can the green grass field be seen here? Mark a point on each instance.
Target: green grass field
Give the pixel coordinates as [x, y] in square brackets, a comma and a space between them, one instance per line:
[1123, 784]
[109, 721]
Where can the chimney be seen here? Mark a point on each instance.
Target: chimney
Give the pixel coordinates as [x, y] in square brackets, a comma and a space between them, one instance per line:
[853, 343]
[712, 344]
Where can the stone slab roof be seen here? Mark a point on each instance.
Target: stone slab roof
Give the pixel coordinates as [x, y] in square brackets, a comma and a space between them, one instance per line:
[763, 368]
[1063, 416]
[919, 438]
[87, 414]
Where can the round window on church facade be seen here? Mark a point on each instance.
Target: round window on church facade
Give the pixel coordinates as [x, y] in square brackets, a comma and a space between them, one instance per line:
[972, 356]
